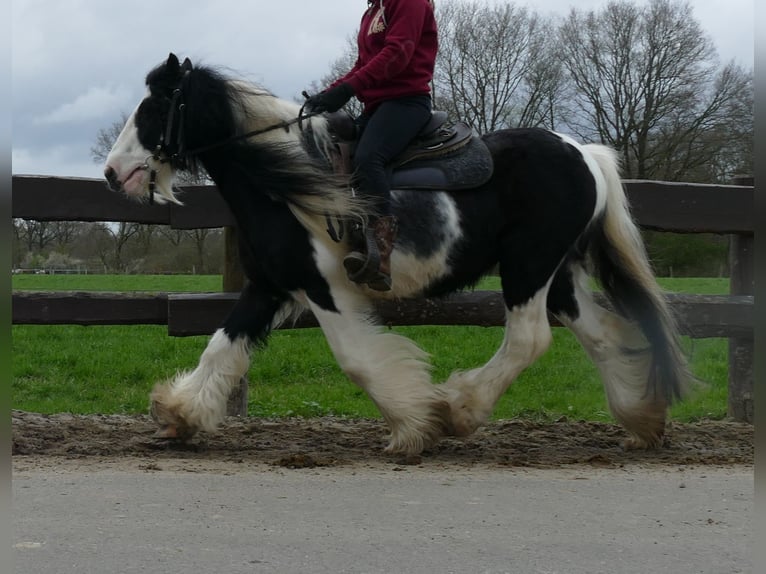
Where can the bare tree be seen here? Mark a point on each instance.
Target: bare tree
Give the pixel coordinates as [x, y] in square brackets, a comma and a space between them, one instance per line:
[36, 236]
[105, 139]
[121, 234]
[496, 66]
[200, 237]
[95, 243]
[338, 68]
[710, 142]
[648, 83]
[174, 236]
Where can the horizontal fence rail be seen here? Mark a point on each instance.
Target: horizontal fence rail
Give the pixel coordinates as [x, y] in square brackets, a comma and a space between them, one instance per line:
[661, 206]
[678, 207]
[187, 314]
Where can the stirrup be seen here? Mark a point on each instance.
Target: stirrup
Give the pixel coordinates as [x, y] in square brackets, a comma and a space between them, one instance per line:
[360, 270]
[365, 268]
[362, 267]
[382, 282]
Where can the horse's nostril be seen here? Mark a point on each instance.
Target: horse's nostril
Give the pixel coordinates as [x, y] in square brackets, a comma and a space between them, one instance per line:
[111, 177]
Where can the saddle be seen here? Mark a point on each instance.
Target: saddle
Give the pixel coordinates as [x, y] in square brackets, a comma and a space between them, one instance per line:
[444, 156]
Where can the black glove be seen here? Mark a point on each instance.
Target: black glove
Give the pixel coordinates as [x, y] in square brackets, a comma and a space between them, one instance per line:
[331, 100]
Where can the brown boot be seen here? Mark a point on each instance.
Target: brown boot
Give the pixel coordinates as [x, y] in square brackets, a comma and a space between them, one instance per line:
[374, 267]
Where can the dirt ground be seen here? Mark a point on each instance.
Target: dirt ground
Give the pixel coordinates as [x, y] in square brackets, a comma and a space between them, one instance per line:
[336, 442]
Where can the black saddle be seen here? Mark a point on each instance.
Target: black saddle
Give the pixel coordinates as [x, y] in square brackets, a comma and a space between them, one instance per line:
[443, 156]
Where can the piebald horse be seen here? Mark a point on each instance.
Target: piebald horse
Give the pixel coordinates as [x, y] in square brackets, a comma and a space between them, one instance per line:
[552, 216]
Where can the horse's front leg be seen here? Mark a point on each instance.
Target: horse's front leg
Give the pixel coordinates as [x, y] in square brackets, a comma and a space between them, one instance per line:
[196, 400]
[391, 368]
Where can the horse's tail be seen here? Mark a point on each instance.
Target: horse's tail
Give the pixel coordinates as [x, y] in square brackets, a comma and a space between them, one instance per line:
[622, 266]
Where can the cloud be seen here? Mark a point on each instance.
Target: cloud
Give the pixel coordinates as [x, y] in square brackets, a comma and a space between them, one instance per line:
[96, 103]
[63, 161]
[69, 74]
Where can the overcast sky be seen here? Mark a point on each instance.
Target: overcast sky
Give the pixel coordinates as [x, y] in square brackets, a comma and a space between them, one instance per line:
[78, 64]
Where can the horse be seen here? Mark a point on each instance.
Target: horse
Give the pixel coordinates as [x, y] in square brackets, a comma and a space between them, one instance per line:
[552, 217]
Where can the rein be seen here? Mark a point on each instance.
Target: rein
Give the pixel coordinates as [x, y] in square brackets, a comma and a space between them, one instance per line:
[285, 124]
[162, 156]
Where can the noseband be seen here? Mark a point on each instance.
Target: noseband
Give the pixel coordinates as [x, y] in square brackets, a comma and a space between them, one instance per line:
[178, 159]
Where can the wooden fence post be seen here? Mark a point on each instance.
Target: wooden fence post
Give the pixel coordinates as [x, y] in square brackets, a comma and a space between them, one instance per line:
[234, 281]
[741, 349]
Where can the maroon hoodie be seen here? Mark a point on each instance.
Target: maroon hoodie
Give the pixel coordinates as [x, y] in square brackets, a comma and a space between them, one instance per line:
[397, 46]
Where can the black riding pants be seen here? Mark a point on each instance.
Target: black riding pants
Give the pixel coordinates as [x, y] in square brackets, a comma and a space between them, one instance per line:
[384, 135]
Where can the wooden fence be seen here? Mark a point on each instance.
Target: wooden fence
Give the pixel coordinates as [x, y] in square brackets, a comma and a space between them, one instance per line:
[662, 206]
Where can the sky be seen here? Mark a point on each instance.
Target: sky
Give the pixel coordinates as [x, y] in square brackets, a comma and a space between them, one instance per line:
[77, 65]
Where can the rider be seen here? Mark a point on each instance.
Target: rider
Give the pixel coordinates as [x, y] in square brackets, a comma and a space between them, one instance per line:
[397, 47]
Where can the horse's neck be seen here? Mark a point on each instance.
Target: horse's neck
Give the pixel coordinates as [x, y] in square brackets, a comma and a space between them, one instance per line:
[264, 110]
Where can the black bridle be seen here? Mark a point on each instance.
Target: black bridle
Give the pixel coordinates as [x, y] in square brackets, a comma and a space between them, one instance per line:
[161, 153]
[180, 157]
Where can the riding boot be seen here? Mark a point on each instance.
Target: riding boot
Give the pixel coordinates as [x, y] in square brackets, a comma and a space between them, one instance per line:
[374, 266]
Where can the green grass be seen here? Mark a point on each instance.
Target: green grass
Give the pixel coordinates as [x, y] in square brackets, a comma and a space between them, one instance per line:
[152, 283]
[111, 369]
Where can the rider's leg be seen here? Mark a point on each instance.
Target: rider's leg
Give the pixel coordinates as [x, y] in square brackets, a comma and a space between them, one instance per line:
[387, 132]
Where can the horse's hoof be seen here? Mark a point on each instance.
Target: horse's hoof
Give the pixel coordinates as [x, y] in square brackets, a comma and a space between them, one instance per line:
[636, 442]
[169, 431]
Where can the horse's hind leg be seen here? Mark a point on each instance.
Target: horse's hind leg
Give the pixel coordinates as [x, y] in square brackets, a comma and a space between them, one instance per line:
[475, 392]
[619, 350]
[546, 218]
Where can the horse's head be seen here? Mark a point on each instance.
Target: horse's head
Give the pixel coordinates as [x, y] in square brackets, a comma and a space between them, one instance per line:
[147, 152]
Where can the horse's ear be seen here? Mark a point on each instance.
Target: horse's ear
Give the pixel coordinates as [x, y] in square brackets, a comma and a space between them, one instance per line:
[172, 63]
[186, 66]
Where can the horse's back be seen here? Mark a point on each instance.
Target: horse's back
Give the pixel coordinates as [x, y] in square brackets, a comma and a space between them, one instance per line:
[539, 200]
[534, 153]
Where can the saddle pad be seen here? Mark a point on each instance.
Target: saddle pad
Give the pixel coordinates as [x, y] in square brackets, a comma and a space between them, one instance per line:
[467, 167]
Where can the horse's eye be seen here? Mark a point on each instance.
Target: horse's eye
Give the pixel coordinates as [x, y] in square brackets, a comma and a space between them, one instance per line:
[149, 122]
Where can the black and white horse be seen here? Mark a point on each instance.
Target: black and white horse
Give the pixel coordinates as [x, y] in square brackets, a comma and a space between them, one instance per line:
[552, 216]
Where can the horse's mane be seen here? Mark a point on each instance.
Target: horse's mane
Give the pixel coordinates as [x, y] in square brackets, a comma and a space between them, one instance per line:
[282, 164]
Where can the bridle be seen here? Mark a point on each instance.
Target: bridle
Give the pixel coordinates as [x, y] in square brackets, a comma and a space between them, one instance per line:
[162, 154]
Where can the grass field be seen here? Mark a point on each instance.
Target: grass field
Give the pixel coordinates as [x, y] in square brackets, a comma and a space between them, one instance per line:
[111, 369]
